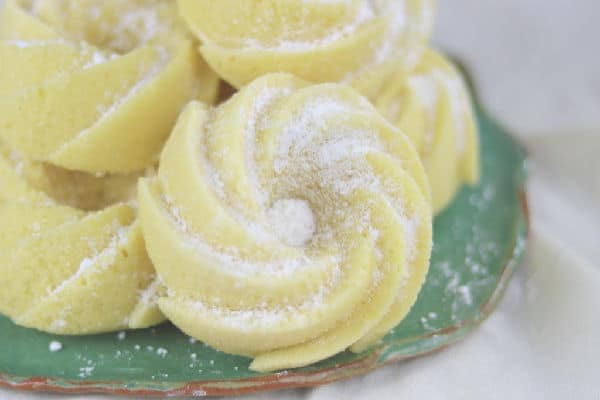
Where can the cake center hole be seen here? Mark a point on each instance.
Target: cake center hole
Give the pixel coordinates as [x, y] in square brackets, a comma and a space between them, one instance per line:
[293, 221]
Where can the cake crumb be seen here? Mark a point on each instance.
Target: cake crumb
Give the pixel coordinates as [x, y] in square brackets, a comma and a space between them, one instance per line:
[121, 335]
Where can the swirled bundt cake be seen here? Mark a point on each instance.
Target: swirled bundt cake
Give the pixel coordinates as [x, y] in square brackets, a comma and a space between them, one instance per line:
[432, 105]
[95, 86]
[71, 269]
[360, 42]
[289, 223]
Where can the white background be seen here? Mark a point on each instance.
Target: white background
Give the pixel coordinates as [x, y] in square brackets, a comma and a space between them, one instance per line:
[537, 67]
[536, 62]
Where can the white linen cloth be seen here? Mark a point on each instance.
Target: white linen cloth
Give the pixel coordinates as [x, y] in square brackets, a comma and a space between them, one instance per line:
[537, 67]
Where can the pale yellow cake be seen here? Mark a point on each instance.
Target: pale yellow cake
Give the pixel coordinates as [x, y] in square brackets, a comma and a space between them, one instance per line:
[96, 85]
[65, 270]
[359, 42]
[432, 105]
[288, 224]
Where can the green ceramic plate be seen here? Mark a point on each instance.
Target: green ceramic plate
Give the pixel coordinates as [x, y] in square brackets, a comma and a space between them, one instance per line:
[478, 243]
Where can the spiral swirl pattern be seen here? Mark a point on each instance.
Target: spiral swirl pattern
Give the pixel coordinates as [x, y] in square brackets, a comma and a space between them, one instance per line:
[288, 224]
[432, 105]
[65, 270]
[105, 79]
[352, 41]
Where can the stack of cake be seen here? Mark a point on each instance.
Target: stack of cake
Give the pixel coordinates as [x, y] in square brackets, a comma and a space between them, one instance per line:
[287, 223]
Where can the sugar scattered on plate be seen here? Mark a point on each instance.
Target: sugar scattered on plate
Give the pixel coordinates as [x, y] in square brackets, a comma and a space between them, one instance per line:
[85, 372]
[55, 346]
[162, 352]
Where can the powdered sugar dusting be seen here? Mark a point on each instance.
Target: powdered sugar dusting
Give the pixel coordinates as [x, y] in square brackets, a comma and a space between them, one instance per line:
[402, 41]
[106, 112]
[318, 191]
[310, 152]
[428, 87]
[228, 261]
[138, 25]
[366, 12]
[460, 105]
[303, 129]
[411, 226]
[119, 26]
[255, 122]
[265, 317]
[396, 11]
[214, 177]
[292, 221]
[101, 260]
[24, 44]
[150, 294]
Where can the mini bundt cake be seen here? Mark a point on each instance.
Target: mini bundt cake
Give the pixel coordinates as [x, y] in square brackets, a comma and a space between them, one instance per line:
[359, 42]
[432, 105]
[94, 85]
[65, 270]
[288, 224]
